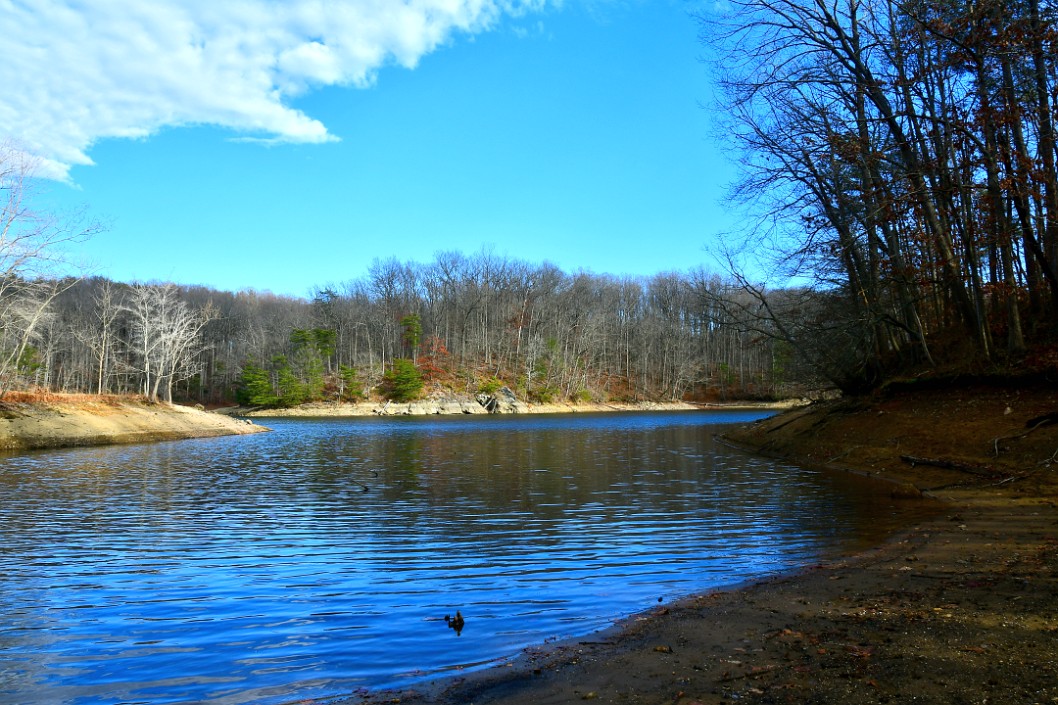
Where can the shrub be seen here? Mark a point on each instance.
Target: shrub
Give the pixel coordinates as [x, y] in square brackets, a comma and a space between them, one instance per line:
[352, 389]
[292, 391]
[402, 381]
[255, 387]
[489, 386]
[545, 395]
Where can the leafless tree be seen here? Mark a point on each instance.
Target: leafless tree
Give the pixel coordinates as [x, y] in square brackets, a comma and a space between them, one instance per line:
[903, 159]
[166, 335]
[30, 259]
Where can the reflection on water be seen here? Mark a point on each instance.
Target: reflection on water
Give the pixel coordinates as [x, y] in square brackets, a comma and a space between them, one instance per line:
[324, 557]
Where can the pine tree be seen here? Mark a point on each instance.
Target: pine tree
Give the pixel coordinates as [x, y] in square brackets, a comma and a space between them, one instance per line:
[255, 387]
[403, 381]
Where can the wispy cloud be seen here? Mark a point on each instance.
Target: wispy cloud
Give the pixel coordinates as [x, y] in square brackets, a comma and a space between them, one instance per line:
[77, 71]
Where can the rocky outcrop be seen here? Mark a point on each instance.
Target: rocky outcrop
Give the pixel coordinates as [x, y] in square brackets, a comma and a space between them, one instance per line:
[431, 407]
[502, 402]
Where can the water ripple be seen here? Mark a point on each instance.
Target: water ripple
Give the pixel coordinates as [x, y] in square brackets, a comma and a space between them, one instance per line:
[322, 557]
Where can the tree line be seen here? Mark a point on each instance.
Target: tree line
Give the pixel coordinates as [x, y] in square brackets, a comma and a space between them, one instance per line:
[457, 324]
[462, 324]
[901, 156]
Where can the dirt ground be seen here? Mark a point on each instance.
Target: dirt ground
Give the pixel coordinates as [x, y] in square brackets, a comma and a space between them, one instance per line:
[64, 420]
[959, 609]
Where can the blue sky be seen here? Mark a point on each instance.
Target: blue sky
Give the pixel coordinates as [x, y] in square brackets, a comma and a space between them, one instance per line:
[570, 132]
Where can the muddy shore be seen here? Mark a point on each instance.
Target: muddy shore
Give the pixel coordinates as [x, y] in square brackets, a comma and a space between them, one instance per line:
[962, 608]
[66, 421]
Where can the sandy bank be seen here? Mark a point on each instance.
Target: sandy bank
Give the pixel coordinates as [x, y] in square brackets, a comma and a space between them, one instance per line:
[86, 421]
[962, 608]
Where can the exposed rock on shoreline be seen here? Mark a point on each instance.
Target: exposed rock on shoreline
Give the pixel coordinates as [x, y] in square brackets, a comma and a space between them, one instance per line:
[500, 404]
[90, 421]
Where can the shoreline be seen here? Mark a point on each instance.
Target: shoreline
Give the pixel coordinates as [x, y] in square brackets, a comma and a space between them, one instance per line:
[75, 421]
[469, 407]
[65, 421]
[960, 608]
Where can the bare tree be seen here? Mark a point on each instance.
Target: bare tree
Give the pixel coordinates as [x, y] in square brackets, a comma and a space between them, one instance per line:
[166, 336]
[98, 333]
[890, 147]
[30, 257]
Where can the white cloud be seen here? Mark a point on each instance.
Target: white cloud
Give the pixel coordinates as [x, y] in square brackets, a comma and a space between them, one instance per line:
[77, 71]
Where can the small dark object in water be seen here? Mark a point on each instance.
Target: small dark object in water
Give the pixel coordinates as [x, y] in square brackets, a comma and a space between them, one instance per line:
[455, 622]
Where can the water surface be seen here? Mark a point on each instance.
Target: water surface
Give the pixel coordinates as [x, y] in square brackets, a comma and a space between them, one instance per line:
[322, 558]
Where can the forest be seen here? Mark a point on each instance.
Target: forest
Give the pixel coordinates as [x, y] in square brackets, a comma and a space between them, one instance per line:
[459, 324]
[456, 325]
[898, 155]
[898, 176]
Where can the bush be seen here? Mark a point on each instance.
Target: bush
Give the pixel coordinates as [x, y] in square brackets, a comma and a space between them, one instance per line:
[352, 389]
[489, 386]
[255, 387]
[402, 382]
[545, 395]
[292, 391]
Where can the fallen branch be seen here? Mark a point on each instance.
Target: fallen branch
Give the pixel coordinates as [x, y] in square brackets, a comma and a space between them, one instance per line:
[1010, 478]
[1031, 425]
[836, 458]
[913, 460]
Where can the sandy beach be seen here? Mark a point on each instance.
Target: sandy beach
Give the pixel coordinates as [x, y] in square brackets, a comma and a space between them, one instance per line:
[960, 608]
[84, 420]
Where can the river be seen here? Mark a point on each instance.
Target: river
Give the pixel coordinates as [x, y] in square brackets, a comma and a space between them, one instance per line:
[322, 558]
